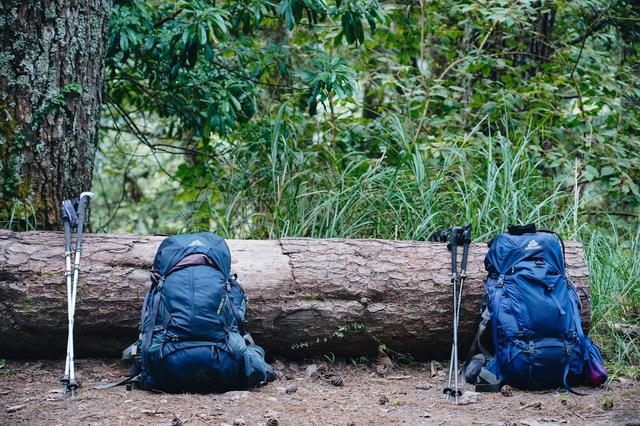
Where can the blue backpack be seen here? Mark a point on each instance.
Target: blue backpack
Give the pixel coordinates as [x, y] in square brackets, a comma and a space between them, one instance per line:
[192, 322]
[534, 314]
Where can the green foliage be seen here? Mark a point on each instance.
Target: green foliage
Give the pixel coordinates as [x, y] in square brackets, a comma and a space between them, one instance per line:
[355, 118]
[330, 77]
[4, 370]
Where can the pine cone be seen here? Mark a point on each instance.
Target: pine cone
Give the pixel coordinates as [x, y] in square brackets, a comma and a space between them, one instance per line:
[506, 390]
[291, 389]
[336, 381]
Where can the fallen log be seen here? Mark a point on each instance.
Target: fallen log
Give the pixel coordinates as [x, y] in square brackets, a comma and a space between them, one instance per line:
[306, 296]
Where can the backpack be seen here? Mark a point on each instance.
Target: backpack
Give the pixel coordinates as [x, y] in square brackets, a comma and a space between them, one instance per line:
[533, 312]
[192, 336]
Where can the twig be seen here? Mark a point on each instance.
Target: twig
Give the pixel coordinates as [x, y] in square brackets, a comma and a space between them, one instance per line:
[167, 18]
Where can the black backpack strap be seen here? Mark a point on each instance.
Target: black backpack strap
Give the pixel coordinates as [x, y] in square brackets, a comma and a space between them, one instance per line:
[129, 380]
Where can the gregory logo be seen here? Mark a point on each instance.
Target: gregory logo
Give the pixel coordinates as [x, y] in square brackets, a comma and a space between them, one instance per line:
[196, 243]
[533, 244]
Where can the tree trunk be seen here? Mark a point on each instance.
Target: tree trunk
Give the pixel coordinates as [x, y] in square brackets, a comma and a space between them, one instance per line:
[306, 296]
[51, 66]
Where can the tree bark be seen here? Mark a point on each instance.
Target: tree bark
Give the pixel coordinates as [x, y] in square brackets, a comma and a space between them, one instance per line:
[306, 296]
[51, 68]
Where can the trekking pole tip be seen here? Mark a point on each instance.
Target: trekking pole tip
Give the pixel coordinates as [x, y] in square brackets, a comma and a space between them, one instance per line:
[73, 388]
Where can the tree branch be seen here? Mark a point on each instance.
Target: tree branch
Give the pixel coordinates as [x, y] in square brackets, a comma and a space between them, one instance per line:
[167, 18]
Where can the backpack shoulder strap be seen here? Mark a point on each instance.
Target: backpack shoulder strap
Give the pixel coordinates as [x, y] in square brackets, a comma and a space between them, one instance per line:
[239, 321]
[156, 292]
[477, 346]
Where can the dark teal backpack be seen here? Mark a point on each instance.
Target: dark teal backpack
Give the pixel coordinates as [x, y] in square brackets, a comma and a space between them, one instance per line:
[193, 337]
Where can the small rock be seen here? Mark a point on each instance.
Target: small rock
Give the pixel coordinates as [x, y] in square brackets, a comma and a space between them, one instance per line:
[336, 381]
[239, 421]
[383, 400]
[468, 397]
[426, 414]
[424, 386]
[384, 364]
[272, 422]
[272, 399]
[225, 424]
[506, 390]
[15, 408]
[176, 421]
[311, 371]
[278, 365]
[291, 389]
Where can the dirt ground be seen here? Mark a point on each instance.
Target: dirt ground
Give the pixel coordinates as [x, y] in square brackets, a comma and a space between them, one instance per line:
[336, 394]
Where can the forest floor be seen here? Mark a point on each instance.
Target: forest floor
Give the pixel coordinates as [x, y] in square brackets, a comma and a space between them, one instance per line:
[30, 394]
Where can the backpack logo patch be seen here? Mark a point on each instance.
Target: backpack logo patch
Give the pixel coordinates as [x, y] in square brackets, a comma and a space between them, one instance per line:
[196, 243]
[533, 244]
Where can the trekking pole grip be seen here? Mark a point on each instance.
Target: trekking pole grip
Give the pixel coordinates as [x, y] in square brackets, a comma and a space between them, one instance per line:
[82, 208]
[453, 247]
[466, 241]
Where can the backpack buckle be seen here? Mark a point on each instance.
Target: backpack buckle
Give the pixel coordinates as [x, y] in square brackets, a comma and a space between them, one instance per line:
[530, 349]
[500, 282]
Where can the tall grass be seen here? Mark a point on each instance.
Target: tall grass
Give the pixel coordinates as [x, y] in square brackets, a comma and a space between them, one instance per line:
[275, 185]
[614, 265]
[409, 191]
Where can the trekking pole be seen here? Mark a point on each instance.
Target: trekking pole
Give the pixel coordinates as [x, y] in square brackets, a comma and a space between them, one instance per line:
[466, 241]
[453, 247]
[69, 220]
[82, 206]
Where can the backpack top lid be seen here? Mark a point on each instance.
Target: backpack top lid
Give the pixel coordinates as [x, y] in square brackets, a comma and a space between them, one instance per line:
[507, 250]
[173, 249]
